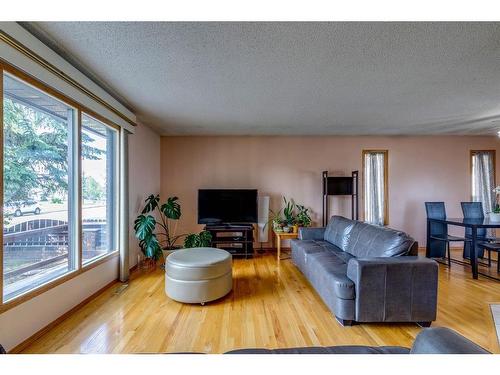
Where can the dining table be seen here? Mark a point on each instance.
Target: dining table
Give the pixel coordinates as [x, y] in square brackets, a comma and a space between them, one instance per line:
[474, 224]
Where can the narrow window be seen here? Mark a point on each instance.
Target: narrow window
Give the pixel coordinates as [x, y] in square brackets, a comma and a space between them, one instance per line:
[99, 189]
[375, 186]
[38, 240]
[483, 178]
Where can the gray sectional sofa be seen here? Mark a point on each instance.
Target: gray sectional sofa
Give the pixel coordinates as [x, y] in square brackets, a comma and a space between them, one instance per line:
[368, 273]
[430, 341]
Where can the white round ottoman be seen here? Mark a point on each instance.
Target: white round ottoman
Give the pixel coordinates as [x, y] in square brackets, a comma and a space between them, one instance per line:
[198, 275]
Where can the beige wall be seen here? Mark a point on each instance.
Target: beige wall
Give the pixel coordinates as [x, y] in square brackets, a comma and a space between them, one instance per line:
[144, 177]
[19, 323]
[420, 169]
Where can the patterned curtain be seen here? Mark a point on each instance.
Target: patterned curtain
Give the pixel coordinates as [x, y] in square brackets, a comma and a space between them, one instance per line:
[483, 181]
[374, 188]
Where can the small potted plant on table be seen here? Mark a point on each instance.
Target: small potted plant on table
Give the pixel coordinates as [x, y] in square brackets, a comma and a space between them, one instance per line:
[495, 214]
[288, 213]
[294, 216]
[276, 220]
[303, 218]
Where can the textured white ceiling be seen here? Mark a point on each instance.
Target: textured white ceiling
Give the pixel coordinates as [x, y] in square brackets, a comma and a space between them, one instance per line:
[294, 78]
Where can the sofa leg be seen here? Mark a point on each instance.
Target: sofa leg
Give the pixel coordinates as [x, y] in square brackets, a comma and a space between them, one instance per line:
[344, 322]
[424, 324]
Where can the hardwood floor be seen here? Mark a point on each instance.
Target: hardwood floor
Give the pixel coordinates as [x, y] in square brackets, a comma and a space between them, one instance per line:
[270, 306]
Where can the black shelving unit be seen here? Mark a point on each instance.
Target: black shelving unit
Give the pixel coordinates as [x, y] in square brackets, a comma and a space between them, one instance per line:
[327, 191]
[237, 239]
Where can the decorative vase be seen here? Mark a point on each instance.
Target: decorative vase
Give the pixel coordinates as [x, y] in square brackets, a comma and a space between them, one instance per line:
[286, 229]
[295, 228]
[495, 217]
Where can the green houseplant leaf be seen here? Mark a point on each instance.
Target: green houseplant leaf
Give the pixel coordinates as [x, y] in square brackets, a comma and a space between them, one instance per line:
[154, 227]
[171, 209]
[157, 233]
[303, 217]
[205, 238]
[144, 226]
[151, 203]
[288, 211]
[202, 239]
[190, 240]
[151, 247]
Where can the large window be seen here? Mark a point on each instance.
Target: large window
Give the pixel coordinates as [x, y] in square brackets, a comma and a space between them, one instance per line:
[38, 244]
[98, 188]
[483, 178]
[60, 188]
[375, 186]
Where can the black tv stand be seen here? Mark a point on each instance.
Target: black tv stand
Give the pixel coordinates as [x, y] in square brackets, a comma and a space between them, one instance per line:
[235, 238]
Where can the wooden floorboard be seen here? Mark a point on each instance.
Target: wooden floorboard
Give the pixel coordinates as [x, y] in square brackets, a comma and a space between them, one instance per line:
[270, 307]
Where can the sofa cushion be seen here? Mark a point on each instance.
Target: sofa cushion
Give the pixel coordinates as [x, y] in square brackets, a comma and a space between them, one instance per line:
[338, 230]
[329, 246]
[343, 256]
[367, 241]
[331, 275]
[309, 246]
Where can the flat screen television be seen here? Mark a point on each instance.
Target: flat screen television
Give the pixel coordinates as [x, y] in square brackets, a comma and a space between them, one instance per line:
[339, 185]
[227, 206]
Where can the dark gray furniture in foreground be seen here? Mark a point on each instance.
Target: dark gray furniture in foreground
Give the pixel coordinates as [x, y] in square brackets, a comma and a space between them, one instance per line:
[367, 273]
[429, 341]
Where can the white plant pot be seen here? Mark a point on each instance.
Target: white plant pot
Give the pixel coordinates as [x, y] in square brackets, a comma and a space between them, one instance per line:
[494, 217]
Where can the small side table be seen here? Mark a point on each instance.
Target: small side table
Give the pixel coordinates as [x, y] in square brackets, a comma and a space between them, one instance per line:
[282, 236]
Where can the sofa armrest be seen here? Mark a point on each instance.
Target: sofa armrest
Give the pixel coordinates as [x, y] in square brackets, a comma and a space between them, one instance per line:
[311, 233]
[394, 289]
[442, 340]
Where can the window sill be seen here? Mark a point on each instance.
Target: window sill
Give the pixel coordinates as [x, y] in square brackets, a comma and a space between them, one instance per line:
[54, 283]
[91, 263]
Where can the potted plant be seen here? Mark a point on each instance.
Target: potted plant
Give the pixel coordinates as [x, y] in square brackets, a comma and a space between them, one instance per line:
[495, 214]
[303, 218]
[276, 220]
[168, 214]
[202, 239]
[288, 213]
[294, 216]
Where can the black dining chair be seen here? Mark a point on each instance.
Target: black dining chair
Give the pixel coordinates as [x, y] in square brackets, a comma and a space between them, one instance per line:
[474, 210]
[439, 231]
[489, 247]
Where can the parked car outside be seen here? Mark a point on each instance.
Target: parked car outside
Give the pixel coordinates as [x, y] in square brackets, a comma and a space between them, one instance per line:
[29, 206]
